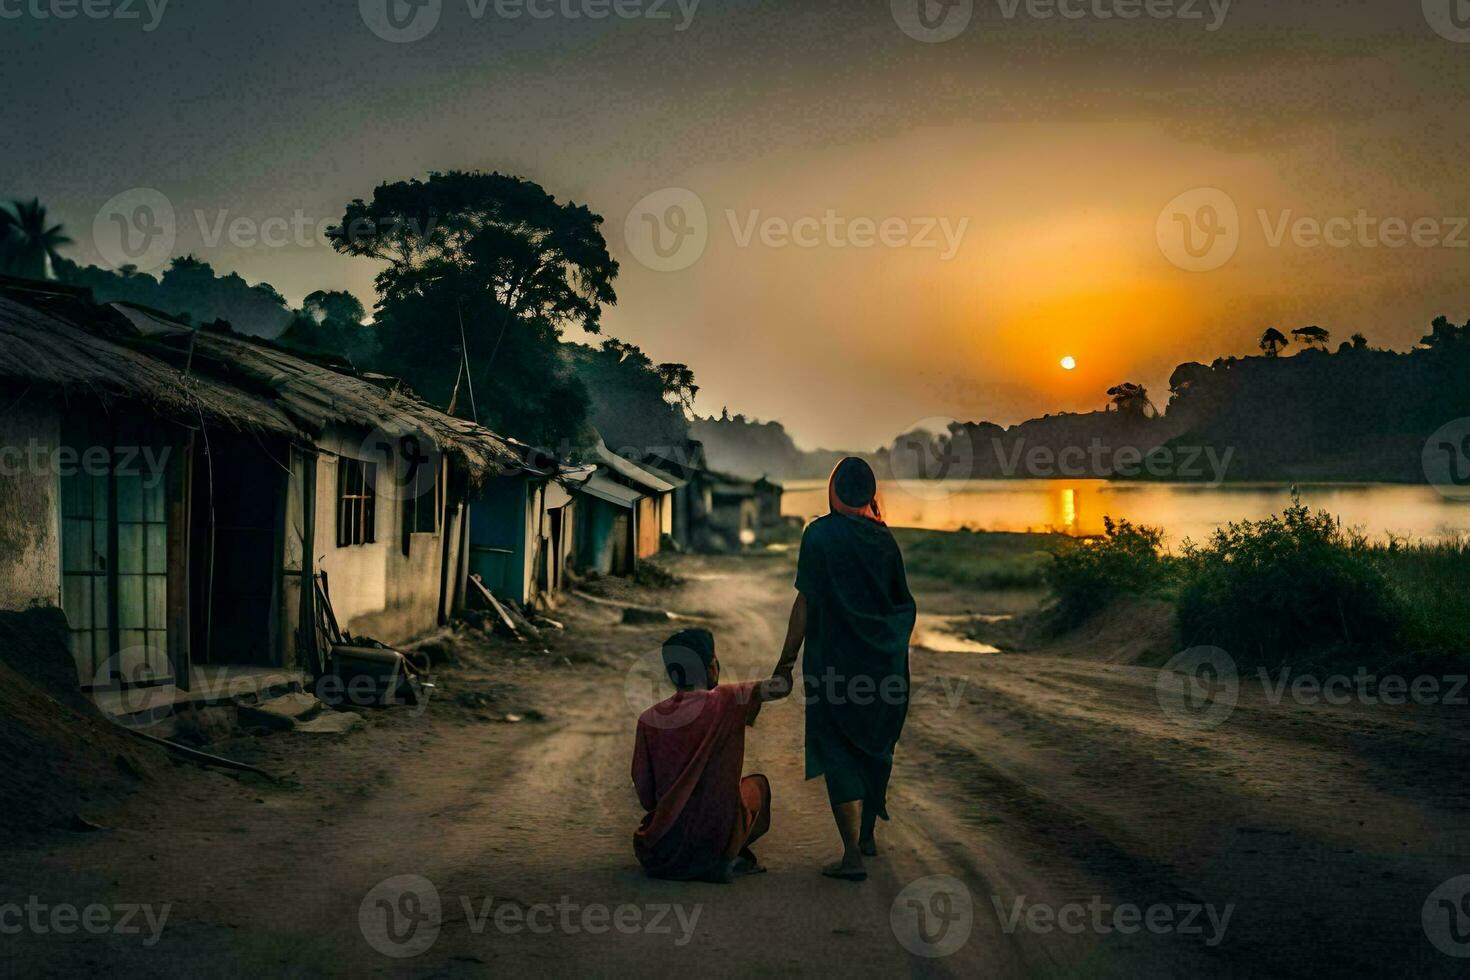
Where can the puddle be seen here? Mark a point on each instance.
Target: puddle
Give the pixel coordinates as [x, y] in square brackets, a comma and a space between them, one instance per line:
[937, 633]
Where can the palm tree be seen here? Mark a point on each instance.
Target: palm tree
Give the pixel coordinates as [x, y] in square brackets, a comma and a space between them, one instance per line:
[27, 247]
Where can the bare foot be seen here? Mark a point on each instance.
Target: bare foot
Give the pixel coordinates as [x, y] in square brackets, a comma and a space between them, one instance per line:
[846, 871]
[747, 864]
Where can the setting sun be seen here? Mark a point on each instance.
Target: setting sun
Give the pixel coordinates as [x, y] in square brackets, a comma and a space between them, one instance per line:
[1069, 363]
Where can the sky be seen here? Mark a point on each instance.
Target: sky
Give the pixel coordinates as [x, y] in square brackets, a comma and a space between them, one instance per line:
[840, 214]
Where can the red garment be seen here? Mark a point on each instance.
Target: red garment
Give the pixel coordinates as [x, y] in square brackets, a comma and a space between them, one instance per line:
[686, 767]
[872, 510]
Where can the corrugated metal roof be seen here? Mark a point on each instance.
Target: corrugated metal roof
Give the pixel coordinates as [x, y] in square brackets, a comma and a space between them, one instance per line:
[631, 471]
[604, 487]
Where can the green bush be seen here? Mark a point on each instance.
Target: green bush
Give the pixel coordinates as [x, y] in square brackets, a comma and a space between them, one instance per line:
[1434, 578]
[1292, 588]
[1089, 574]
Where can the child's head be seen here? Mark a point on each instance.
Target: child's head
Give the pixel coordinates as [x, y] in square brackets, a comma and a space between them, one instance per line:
[689, 658]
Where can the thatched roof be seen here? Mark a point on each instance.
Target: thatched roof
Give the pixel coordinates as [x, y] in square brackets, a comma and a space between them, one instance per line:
[55, 338]
[48, 348]
[315, 396]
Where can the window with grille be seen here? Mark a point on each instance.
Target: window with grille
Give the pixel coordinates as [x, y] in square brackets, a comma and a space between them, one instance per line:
[421, 505]
[357, 511]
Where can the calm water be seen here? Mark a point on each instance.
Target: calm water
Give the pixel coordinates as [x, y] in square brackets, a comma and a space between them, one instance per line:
[1182, 510]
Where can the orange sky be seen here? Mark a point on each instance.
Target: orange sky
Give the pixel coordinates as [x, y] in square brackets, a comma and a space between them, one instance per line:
[1054, 144]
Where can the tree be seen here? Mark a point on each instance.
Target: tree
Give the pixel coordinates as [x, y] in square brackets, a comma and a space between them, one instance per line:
[679, 386]
[1272, 341]
[501, 260]
[332, 320]
[1130, 399]
[190, 290]
[1187, 376]
[334, 306]
[28, 247]
[1443, 333]
[1314, 337]
[631, 403]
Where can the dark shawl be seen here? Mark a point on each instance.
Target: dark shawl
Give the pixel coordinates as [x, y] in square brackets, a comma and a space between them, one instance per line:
[860, 616]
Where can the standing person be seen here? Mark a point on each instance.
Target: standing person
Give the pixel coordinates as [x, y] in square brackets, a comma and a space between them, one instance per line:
[854, 611]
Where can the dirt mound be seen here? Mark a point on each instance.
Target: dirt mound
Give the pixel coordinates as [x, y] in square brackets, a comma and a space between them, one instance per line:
[1129, 631]
[61, 759]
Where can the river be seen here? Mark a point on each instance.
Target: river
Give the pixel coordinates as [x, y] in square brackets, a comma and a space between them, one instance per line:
[1183, 510]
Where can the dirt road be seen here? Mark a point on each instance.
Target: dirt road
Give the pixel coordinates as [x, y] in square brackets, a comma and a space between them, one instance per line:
[1049, 818]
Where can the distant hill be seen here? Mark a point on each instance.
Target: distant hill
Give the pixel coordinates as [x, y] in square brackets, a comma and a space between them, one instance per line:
[1353, 414]
[752, 449]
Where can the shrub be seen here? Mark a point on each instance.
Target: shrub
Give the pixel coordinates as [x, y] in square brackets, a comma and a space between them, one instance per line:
[1291, 588]
[1434, 578]
[1089, 574]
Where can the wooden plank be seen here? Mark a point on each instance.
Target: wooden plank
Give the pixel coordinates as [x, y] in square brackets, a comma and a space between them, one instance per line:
[519, 626]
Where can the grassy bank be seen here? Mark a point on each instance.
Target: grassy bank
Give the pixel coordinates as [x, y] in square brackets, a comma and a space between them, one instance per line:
[1296, 588]
[979, 559]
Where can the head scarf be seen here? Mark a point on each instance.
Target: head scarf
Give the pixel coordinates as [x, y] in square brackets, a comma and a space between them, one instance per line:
[856, 469]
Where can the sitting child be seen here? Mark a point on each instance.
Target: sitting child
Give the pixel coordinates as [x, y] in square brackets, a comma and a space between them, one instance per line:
[702, 815]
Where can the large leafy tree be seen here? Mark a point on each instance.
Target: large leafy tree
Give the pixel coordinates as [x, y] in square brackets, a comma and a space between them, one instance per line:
[496, 260]
[29, 246]
[637, 406]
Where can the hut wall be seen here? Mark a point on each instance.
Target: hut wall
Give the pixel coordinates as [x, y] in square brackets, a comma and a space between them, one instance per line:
[377, 590]
[30, 548]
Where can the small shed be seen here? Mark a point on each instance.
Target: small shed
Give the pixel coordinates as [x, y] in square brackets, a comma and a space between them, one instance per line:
[522, 530]
[606, 540]
[768, 494]
[654, 511]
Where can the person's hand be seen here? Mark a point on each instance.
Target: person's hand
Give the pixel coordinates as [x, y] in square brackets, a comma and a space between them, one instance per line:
[781, 682]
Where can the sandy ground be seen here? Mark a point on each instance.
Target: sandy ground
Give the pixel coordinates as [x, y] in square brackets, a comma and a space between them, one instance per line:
[1054, 796]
